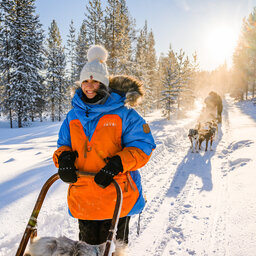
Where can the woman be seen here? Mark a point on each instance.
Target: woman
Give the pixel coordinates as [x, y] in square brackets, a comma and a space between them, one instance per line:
[101, 135]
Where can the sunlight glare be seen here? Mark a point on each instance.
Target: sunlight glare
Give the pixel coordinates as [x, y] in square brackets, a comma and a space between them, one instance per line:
[221, 42]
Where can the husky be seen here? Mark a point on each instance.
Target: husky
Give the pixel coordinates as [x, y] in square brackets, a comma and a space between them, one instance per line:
[193, 137]
[63, 246]
[206, 132]
[215, 127]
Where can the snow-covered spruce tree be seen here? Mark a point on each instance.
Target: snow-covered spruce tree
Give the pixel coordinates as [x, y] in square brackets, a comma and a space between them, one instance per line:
[126, 63]
[190, 92]
[25, 57]
[244, 60]
[241, 66]
[118, 36]
[182, 89]
[250, 38]
[71, 54]
[141, 65]
[94, 22]
[151, 69]
[6, 9]
[55, 77]
[170, 81]
[240, 69]
[37, 65]
[144, 70]
[162, 63]
[81, 50]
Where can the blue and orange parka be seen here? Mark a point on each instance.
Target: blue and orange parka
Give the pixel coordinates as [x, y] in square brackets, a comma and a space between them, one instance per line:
[100, 131]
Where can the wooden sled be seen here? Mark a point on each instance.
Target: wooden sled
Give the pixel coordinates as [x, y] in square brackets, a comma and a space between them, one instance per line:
[31, 229]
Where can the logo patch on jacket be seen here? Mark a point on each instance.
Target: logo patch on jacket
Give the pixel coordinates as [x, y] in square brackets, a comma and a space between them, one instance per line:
[146, 128]
[109, 124]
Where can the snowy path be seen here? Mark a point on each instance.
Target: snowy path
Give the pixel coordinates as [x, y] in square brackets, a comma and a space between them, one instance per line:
[197, 204]
[200, 207]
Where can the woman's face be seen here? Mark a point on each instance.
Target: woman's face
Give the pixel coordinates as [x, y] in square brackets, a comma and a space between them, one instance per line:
[90, 88]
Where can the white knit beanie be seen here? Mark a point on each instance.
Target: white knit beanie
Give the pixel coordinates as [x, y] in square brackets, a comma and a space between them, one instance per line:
[96, 67]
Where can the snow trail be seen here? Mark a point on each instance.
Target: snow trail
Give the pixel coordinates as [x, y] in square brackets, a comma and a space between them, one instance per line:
[192, 212]
[197, 203]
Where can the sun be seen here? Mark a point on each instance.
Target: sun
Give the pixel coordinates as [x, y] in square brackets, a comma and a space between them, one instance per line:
[220, 43]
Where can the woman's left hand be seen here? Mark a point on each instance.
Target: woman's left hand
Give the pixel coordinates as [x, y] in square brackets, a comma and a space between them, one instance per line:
[105, 176]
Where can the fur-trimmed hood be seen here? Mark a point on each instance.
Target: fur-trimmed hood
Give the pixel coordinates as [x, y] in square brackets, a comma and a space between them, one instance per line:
[124, 85]
[130, 86]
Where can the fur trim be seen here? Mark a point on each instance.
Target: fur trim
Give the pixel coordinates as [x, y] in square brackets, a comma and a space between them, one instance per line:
[132, 87]
[52, 246]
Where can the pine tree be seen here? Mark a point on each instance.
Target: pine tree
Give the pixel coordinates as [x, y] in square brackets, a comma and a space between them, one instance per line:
[71, 47]
[112, 21]
[240, 68]
[94, 22]
[151, 56]
[244, 59]
[127, 35]
[146, 67]
[81, 50]
[24, 60]
[118, 36]
[160, 78]
[141, 52]
[151, 69]
[6, 12]
[250, 40]
[181, 88]
[170, 83]
[193, 71]
[56, 81]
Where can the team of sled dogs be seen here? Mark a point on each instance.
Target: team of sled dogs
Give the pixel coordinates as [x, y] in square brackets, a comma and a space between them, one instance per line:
[203, 131]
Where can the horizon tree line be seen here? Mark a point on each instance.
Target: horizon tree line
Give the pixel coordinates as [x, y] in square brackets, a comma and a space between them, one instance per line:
[38, 71]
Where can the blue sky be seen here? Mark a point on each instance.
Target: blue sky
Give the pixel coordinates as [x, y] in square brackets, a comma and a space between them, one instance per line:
[209, 27]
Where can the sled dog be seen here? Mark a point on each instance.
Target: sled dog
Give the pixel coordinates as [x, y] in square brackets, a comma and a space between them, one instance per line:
[215, 126]
[206, 132]
[193, 137]
[63, 246]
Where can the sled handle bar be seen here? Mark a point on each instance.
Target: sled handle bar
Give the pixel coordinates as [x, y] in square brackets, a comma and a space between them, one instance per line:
[31, 230]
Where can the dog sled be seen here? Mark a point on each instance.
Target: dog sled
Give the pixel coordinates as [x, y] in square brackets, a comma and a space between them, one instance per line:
[31, 229]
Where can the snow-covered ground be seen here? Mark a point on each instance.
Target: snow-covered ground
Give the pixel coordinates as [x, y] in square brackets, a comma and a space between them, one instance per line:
[197, 204]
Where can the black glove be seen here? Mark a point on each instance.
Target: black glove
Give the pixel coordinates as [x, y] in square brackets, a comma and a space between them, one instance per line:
[67, 169]
[105, 176]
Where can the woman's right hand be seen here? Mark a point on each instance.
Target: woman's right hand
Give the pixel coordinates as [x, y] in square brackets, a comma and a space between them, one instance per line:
[67, 169]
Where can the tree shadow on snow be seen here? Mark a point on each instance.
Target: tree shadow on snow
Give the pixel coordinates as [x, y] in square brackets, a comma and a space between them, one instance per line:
[24, 184]
[160, 127]
[25, 135]
[248, 108]
[198, 164]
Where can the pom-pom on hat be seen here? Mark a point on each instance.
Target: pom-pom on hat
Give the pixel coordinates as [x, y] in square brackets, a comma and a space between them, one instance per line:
[96, 67]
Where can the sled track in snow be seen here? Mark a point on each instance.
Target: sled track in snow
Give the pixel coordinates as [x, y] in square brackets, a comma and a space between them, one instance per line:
[159, 167]
[217, 230]
[175, 216]
[169, 232]
[154, 203]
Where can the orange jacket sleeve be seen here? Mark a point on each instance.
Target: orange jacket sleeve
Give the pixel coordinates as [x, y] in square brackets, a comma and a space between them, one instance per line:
[133, 158]
[58, 152]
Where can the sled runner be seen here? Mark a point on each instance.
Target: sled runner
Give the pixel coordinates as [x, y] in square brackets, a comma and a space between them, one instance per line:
[31, 229]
